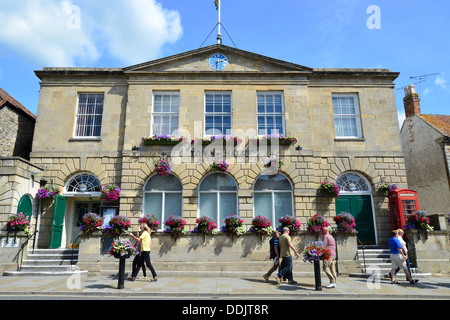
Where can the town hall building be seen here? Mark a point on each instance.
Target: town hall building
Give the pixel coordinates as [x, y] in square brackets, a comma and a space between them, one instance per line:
[94, 127]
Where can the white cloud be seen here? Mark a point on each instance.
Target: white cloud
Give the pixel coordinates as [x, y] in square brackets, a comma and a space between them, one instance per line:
[54, 33]
[441, 82]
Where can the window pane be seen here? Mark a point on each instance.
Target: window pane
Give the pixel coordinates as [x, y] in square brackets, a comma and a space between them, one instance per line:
[218, 182]
[208, 206]
[153, 205]
[283, 204]
[272, 183]
[163, 183]
[227, 205]
[263, 204]
[173, 205]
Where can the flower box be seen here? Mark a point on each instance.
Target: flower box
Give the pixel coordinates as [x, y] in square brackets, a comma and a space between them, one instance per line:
[281, 139]
[162, 140]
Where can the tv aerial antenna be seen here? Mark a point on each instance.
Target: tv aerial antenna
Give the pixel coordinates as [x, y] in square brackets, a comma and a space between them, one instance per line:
[420, 79]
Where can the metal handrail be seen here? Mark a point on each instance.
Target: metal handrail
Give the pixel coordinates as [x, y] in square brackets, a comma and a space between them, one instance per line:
[71, 257]
[19, 261]
[364, 257]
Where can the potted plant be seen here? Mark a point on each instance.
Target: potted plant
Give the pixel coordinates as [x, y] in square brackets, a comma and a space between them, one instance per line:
[387, 188]
[110, 193]
[345, 222]
[151, 221]
[261, 226]
[330, 189]
[163, 167]
[219, 165]
[122, 249]
[18, 222]
[418, 221]
[205, 226]
[315, 251]
[316, 224]
[175, 226]
[47, 192]
[290, 222]
[162, 140]
[90, 223]
[118, 225]
[234, 226]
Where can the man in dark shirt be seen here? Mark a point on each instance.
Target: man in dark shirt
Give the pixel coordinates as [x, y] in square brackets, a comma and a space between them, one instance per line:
[274, 254]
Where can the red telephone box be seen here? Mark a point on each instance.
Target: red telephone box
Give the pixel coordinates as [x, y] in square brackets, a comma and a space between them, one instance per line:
[402, 202]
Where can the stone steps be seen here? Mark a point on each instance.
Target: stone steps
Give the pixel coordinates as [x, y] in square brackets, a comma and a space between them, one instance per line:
[48, 262]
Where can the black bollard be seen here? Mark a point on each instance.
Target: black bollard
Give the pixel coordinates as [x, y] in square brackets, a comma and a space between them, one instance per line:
[317, 275]
[121, 273]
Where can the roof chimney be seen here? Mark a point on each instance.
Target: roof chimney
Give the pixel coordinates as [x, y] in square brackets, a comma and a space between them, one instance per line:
[411, 101]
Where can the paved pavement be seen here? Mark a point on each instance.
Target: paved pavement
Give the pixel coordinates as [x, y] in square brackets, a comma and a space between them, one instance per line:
[190, 288]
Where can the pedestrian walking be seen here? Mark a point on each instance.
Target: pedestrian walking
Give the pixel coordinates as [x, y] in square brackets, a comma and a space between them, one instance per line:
[329, 266]
[274, 254]
[146, 242]
[398, 258]
[405, 252]
[286, 258]
[136, 259]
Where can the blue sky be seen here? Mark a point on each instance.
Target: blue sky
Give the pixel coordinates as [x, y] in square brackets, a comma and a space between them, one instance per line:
[413, 37]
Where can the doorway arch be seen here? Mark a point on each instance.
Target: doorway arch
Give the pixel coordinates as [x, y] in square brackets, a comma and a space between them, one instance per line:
[356, 198]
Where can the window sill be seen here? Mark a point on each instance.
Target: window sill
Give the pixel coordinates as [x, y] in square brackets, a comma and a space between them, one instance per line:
[349, 139]
[87, 139]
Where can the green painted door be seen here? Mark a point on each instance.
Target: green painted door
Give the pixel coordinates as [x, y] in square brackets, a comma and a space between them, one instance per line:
[25, 206]
[57, 222]
[360, 206]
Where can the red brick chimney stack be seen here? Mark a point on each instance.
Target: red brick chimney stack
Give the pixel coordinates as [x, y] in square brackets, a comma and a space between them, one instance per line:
[411, 101]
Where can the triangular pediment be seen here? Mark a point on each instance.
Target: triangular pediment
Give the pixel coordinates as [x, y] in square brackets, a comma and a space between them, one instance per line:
[197, 61]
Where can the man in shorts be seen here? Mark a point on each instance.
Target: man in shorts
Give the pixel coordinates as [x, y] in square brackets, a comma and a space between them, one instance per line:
[398, 258]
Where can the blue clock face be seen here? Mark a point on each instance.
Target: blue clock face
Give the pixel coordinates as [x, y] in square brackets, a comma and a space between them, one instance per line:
[218, 61]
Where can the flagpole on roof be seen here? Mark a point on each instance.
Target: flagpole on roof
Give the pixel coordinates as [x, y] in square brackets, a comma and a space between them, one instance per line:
[219, 35]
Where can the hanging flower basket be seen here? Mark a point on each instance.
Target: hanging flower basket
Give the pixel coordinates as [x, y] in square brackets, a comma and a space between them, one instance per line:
[162, 140]
[275, 164]
[110, 193]
[151, 221]
[48, 192]
[90, 223]
[118, 225]
[219, 165]
[175, 226]
[387, 188]
[234, 226]
[315, 251]
[316, 224]
[329, 189]
[261, 226]
[290, 222]
[163, 167]
[345, 222]
[18, 222]
[122, 249]
[205, 226]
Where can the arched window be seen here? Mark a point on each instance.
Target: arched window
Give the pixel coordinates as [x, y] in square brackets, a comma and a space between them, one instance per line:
[218, 197]
[163, 197]
[83, 183]
[353, 182]
[272, 197]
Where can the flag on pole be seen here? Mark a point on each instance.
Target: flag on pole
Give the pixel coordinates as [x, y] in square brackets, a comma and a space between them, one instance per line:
[216, 2]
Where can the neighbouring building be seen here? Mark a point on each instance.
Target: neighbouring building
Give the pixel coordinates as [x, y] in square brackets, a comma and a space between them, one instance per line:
[426, 143]
[91, 122]
[17, 174]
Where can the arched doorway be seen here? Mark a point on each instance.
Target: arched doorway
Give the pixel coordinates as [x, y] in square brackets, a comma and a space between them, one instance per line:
[356, 198]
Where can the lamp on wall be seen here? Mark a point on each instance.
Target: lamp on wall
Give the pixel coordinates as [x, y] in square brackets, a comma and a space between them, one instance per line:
[42, 182]
[352, 187]
[83, 187]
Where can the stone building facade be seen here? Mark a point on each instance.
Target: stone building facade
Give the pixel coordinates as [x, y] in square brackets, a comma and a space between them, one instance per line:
[344, 120]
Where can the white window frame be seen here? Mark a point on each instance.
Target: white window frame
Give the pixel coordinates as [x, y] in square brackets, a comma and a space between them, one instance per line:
[272, 193]
[218, 113]
[273, 114]
[78, 116]
[163, 203]
[162, 113]
[356, 116]
[217, 192]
